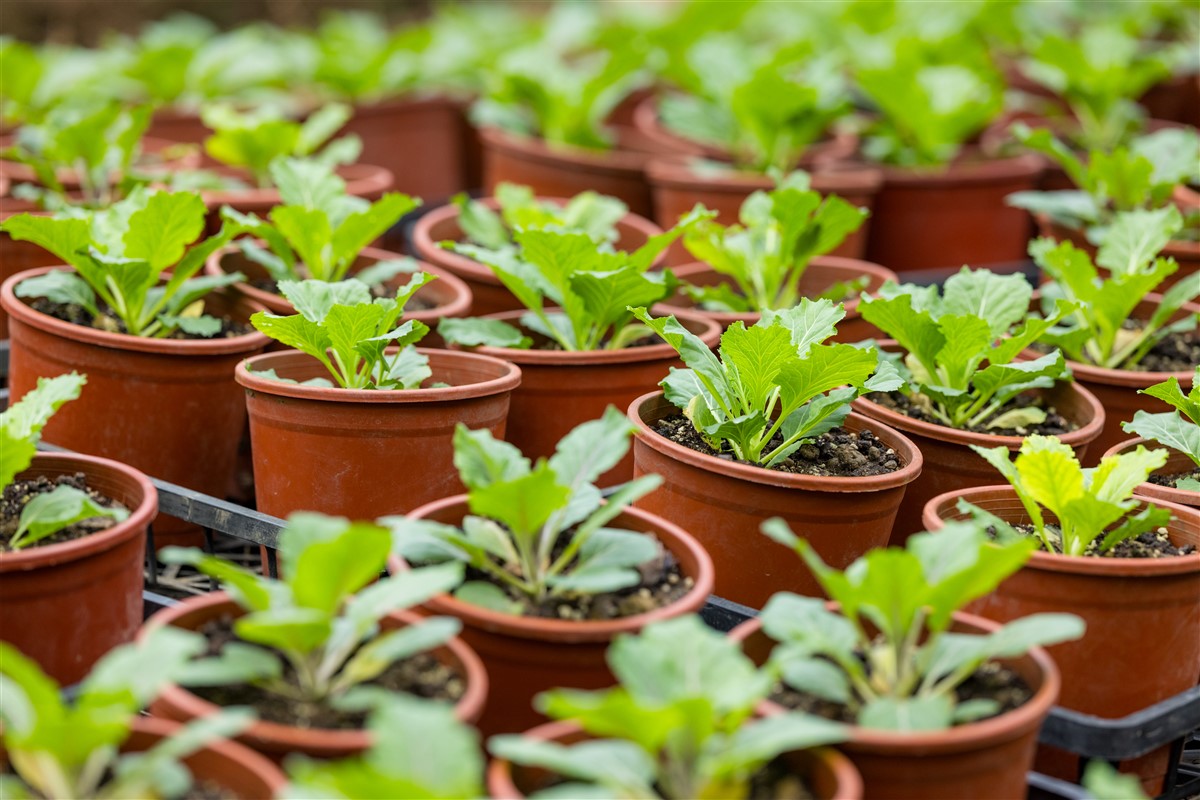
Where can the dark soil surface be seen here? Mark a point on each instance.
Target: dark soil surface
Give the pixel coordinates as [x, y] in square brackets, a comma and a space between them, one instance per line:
[1170, 479]
[21, 492]
[1054, 425]
[776, 782]
[208, 790]
[422, 675]
[107, 321]
[415, 303]
[1151, 544]
[838, 453]
[1177, 352]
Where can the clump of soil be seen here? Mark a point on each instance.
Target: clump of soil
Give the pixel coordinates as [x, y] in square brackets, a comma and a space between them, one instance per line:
[837, 453]
[421, 675]
[776, 782]
[1170, 479]
[108, 321]
[21, 492]
[415, 303]
[1151, 544]
[918, 407]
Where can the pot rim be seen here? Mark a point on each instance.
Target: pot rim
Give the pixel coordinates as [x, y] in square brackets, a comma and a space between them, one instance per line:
[984, 170]
[575, 631]
[679, 172]
[508, 379]
[1176, 248]
[65, 552]
[534, 148]
[908, 472]
[242, 343]
[1155, 492]
[362, 180]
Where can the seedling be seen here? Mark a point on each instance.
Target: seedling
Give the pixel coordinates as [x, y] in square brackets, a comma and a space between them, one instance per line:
[594, 214]
[1179, 429]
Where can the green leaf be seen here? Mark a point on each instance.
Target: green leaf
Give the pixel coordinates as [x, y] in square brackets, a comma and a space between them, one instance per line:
[236, 663]
[1134, 238]
[487, 595]
[249, 590]
[309, 233]
[160, 232]
[931, 713]
[48, 513]
[65, 238]
[1169, 429]
[483, 460]
[756, 744]
[396, 645]
[591, 449]
[321, 126]
[294, 331]
[605, 761]
[476, 331]
[1000, 300]
[523, 504]
[327, 559]
[359, 230]
[292, 630]
[60, 286]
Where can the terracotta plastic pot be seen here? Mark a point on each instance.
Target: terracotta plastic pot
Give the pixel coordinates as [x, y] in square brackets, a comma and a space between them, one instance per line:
[723, 503]
[276, 740]
[1176, 462]
[168, 407]
[392, 450]
[981, 760]
[18, 256]
[1142, 614]
[65, 605]
[153, 159]
[953, 216]
[1186, 253]
[562, 389]
[825, 771]
[488, 294]
[564, 171]
[527, 655]
[179, 125]
[822, 272]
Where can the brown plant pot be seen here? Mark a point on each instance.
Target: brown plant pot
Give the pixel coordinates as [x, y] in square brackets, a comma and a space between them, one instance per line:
[527, 655]
[926, 219]
[723, 502]
[825, 771]
[1186, 253]
[488, 294]
[167, 407]
[980, 760]
[276, 740]
[392, 449]
[562, 389]
[65, 605]
[1140, 645]
[19, 256]
[822, 272]
[179, 125]
[1176, 462]
[555, 171]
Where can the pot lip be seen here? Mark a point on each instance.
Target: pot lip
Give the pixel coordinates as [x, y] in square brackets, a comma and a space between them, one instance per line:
[243, 343]
[670, 535]
[973, 735]
[1180, 249]
[468, 707]
[1153, 490]
[679, 171]
[647, 121]
[1085, 565]
[17, 172]
[361, 180]
[986, 170]
[64, 552]
[624, 162]
[228, 749]
[459, 293]
[908, 472]
[509, 378]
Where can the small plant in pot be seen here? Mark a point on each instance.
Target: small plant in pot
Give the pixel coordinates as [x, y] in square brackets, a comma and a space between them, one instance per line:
[295, 648]
[554, 570]
[1179, 480]
[679, 724]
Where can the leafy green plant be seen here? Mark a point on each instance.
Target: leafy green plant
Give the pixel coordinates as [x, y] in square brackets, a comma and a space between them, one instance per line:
[63, 749]
[1179, 429]
[979, 318]
[122, 253]
[767, 254]
[319, 230]
[1095, 332]
[888, 654]
[21, 70]
[1103, 782]
[522, 514]
[775, 385]
[595, 214]
[679, 724]
[161, 56]
[1087, 503]
[322, 619]
[340, 325]
[592, 286]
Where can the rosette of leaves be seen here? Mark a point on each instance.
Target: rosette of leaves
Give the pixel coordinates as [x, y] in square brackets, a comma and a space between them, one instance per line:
[1178, 429]
[766, 255]
[122, 254]
[961, 345]
[775, 385]
[319, 230]
[161, 56]
[888, 654]
[678, 724]
[321, 621]
[595, 214]
[1095, 332]
[350, 333]
[60, 748]
[20, 429]
[1092, 508]
[537, 530]
[592, 285]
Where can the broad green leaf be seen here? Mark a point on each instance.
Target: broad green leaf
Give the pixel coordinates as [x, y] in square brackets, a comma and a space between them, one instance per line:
[930, 713]
[476, 331]
[64, 506]
[999, 300]
[1169, 429]
[483, 460]
[59, 286]
[592, 448]
[392, 646]
[160, 233]
[327, 559]
[523, 504]
[487, 595]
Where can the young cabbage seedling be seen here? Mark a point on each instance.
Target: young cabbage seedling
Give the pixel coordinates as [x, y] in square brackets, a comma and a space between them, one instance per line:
[349, 332]
[595, 214]
[888, 654]
[767, 254]
[20, 429]
[121, 255]
[521, 514]
[1095, 332]
[679, 724]
[1179, 429]
[1087, 503]
[978, 318]
[68, 750]
[319, 231]
[322, 618]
